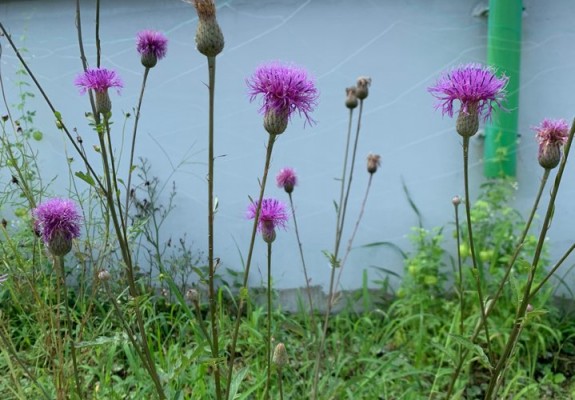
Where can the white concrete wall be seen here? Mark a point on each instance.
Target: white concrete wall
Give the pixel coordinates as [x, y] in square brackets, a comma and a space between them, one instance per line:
[402, 45]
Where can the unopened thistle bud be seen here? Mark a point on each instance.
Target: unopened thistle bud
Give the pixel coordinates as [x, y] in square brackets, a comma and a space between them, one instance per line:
[552, 135]
[351, 99]
[373, 162]
[193, 295]
[280, 357]
[363, 83]
[209, 37]
[104, 275]
[456, 200]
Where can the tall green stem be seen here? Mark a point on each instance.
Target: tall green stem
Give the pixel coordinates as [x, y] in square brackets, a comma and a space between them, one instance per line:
[243, 290]
[300, 246]
[338, 234]
[269, 330]
[59, 261]
[133, 145]
[502, 283]
[497, 375]
[476, 272]
[211, 265]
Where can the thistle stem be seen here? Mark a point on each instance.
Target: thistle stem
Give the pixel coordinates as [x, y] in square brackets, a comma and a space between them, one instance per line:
[497, 375]
[300, 247]
[61, 276]
[243, 290]
[476, 272]
[133, 145]
[269, 330]
[355, 229]
[211, 265]
[338, 234]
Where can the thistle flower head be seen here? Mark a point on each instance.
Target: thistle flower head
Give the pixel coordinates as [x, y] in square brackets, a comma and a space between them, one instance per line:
[285, 89]
[351, 97]
[286, 179]
[373, 162]
[98, 79]
[152, 46]
[273, 214]
[280, 357]
[476, 87]
[551, 135]
[58, 222]
[209, 37]
[363, 84]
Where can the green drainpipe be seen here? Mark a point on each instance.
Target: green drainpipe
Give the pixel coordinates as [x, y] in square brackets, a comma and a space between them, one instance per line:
[504, 53]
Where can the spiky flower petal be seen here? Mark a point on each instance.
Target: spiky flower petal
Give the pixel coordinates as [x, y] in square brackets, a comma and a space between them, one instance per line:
[476, 87]
[98, 79]
[286, 179]
[58, 222]
[273, 214]
[152, 46]
[285, 88]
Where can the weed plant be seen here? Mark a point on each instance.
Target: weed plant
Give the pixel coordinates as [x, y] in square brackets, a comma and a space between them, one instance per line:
[96, 303]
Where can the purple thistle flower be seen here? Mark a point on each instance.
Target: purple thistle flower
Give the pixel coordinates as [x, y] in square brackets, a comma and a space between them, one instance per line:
[286, 179]
[152, 46]
[58, 221]
[551, 135]
[285, 89]
[474, 85]
[273, 214]
[98, 79]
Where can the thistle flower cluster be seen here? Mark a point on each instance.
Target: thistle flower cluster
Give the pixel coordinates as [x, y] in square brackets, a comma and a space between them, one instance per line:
[286, 179]
[551, 135]
[478, 90]
[273, 214]
[99, 80]
[152, 47]
[285, 89]
[58, 222]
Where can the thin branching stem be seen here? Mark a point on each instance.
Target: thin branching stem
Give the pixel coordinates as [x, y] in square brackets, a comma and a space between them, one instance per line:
[133, 145]
[355, 229]
[280, 385]
[341, 211]
[51, 106]
[476, 272]
[300, 247]
[501, 365]
[460, 271]
[552, 271]
[7, 345]
[61, 276]
[503, 281]
[211, 211]
[244, 288]
[269, 330]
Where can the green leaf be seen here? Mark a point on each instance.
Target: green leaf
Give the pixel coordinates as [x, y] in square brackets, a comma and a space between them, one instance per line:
[473, 348]
[85, 177]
